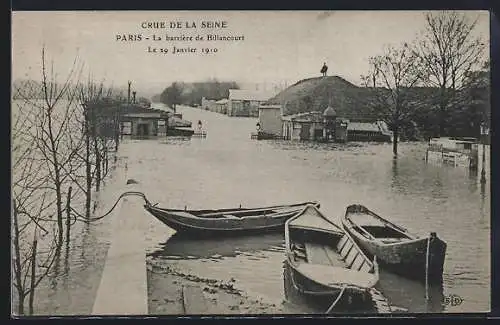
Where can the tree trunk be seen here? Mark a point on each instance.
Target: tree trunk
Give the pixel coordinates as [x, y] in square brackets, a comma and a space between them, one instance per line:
[57, 181]
[68, 214]
[97, 165]
[104, 159]
[395, 140]
[33, 275]
[118, 132]
[59, 211]
[88, 174]
[442, 117]
[20, 305]
[17, 253]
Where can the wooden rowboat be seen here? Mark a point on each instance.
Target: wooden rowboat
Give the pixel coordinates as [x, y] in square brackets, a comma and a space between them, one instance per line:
[233, 221]
[396, 249]
[325, 262]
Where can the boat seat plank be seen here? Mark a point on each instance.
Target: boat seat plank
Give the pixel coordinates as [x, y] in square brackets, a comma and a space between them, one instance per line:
[346, 249]
[316, 254]
[342, 242]
[365, 267]
[330, 276]
[357, 262]
[351, 256]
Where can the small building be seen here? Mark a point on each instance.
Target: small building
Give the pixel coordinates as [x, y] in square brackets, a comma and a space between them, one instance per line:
[245, 102]
[138, 121]
[303, 126]
[270, 120]
[376, 131]
[221, 106]
[147, 123]
[208, 104]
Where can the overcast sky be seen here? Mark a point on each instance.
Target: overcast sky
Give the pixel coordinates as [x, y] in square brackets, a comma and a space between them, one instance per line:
[277, 46]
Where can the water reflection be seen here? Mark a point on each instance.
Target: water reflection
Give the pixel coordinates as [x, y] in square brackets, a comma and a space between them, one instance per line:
[180, 246]
[395, 174]
[411, 295]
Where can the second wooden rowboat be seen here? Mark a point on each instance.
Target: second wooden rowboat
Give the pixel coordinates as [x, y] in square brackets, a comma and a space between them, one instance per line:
[396, 249]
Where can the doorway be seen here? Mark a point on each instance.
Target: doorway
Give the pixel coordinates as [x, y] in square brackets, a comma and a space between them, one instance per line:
[143, 129]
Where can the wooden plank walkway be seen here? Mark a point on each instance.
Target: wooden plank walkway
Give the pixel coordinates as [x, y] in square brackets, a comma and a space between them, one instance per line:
[123, 286]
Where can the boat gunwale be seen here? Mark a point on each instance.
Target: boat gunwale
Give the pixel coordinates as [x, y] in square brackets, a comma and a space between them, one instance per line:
[274, 214]
[379, 241]
[223, 211]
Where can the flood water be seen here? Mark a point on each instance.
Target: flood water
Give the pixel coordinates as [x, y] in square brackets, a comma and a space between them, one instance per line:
[227, 169]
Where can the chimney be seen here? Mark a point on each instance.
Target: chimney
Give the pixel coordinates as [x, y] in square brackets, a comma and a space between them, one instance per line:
[133, 94]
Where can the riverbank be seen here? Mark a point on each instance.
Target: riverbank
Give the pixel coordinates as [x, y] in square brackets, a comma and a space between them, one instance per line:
[165, 287]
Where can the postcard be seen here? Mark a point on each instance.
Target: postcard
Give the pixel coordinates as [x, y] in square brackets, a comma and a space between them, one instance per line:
[250, 163]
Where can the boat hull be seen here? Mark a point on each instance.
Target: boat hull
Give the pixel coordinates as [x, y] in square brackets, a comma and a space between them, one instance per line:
[407, 258]
[184, 222]
[321, 296]
[326, 266]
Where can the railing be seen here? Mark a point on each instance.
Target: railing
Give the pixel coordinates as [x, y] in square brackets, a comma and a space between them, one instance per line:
[440, 148]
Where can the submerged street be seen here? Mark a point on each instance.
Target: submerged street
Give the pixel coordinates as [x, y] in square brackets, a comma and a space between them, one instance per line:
[227, 169]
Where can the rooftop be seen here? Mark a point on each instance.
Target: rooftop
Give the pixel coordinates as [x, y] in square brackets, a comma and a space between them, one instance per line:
[363, 126]
[329, 112]
[222, 101]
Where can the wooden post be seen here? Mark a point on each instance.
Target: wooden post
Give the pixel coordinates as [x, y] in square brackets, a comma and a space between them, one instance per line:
[427, 257]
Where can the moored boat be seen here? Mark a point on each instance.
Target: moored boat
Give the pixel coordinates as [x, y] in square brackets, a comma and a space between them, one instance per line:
[326, 263]
[228, 221]
[396, 248]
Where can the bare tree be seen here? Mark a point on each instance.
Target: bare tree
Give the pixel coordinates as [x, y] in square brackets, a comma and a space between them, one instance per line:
[53, 134]
[56, 153]
[34, 247]
[392, 75]
[449, 51]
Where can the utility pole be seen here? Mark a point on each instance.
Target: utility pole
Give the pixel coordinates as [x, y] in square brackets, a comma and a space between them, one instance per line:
[128, 97]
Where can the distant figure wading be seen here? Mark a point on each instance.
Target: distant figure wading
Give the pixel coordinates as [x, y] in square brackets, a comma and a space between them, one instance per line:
[324, 69]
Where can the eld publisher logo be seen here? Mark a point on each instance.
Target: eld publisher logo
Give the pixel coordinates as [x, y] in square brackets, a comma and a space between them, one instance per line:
[453, 300]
